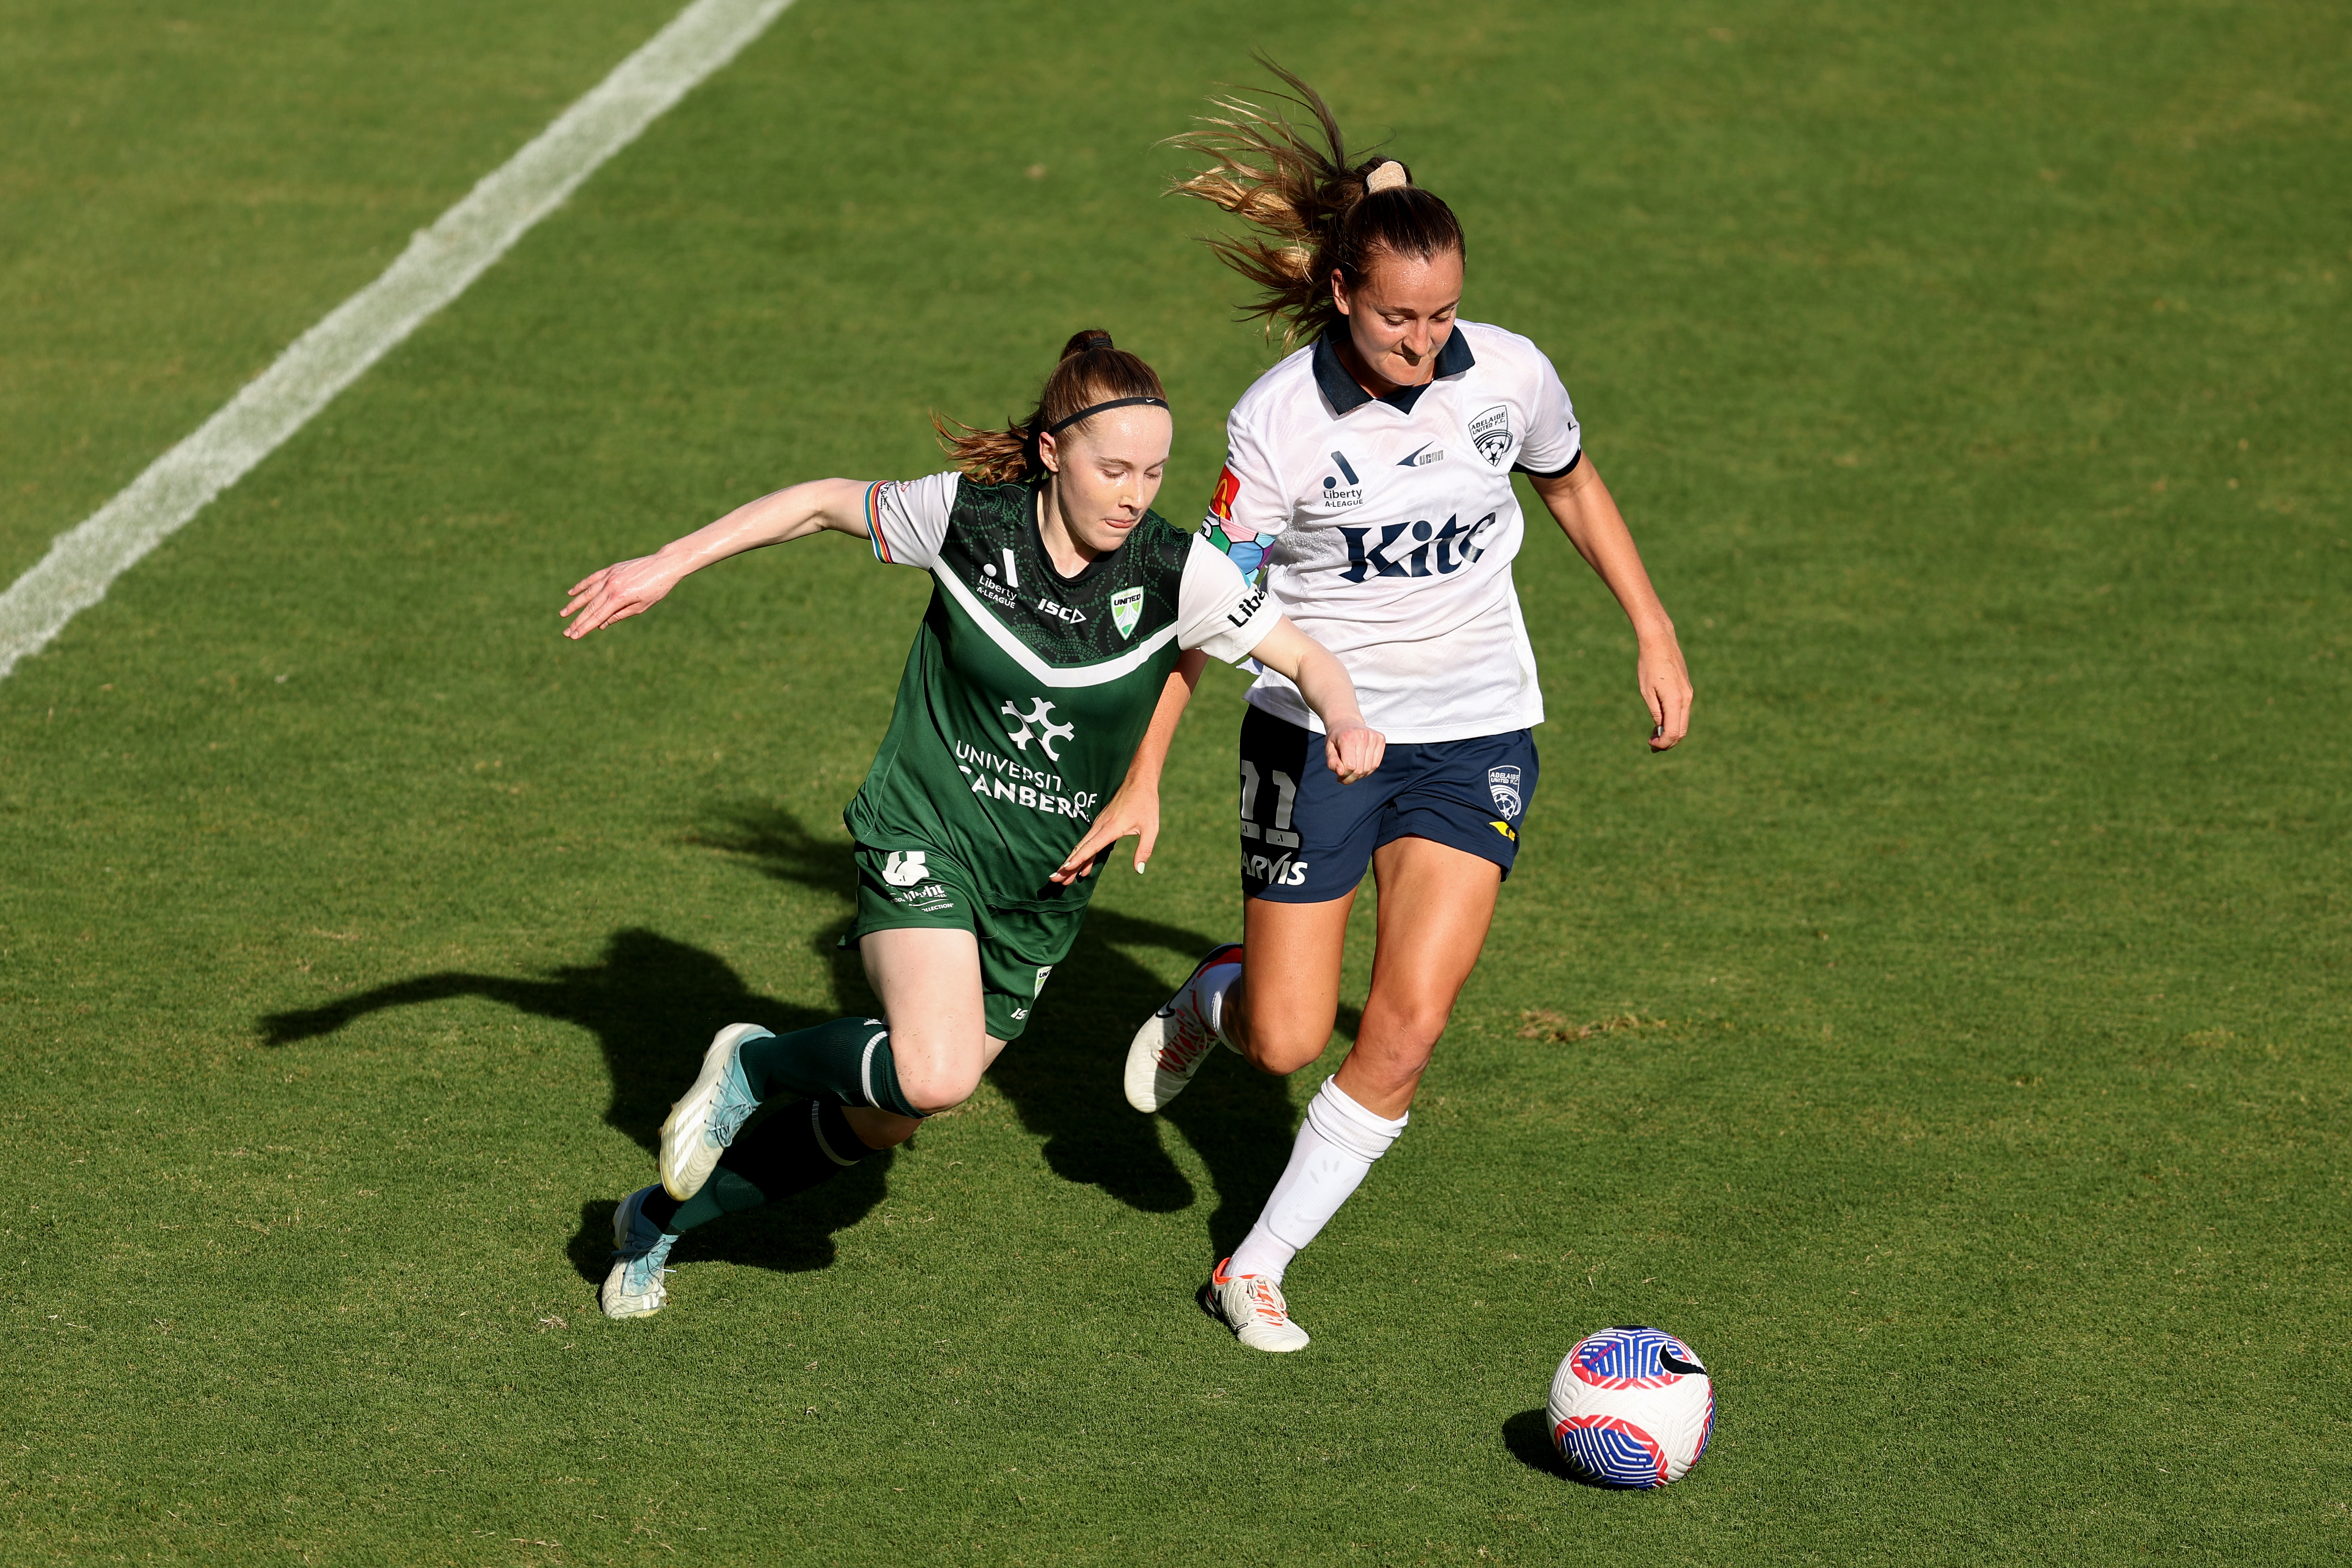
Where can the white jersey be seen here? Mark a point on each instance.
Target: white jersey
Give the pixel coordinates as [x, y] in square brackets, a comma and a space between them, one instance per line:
[1394, 527]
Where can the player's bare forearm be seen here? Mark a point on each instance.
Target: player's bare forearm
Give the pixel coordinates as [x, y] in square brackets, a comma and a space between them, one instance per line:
[632, 587]
[1135, 809]
[1151, 755]
[1353, 747]
[793, 512]
[1580, 503]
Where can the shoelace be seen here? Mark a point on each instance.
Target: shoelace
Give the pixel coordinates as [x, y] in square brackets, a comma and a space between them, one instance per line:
[1269, 1302]
[727, 1117]
[638, 1276]
[1190, 1045]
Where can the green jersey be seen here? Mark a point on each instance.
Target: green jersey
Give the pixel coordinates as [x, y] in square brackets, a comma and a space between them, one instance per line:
[1027, 692]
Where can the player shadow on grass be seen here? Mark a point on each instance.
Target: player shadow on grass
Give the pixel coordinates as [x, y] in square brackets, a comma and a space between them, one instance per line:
[653, 1005]
[1062, 1077]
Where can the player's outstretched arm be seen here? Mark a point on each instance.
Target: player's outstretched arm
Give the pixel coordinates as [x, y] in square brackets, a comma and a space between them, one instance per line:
[1135, 809]
[1353, 747]
[1588, 514]
[632, 587]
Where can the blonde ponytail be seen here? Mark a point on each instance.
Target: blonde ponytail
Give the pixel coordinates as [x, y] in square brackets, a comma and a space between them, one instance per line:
[1315, 213]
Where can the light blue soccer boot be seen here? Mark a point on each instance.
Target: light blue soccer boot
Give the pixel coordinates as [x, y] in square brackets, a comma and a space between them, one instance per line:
[634, 1288]
[701, 1125]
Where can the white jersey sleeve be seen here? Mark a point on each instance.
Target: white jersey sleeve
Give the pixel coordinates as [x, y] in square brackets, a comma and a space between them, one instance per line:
[1218, 610]
[1553, 443]
[1250, 498]
[907, 518]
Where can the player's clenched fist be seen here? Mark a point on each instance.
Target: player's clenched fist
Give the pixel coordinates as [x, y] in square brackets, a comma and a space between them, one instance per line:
[1355, 751]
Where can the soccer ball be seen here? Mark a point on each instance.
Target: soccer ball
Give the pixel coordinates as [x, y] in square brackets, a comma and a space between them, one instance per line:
[1632, 1407]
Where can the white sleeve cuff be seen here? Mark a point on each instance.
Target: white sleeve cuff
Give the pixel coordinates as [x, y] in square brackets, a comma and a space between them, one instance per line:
[1218, 610]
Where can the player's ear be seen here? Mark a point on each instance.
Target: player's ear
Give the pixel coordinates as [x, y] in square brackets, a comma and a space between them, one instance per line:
[1339, 290]
[1049, 452]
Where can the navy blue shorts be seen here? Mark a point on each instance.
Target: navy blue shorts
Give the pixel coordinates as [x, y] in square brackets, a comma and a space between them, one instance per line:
[1308, 838]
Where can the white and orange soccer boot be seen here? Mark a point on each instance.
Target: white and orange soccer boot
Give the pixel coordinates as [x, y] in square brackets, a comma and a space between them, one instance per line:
[1253, 1307]
[1173, 1042]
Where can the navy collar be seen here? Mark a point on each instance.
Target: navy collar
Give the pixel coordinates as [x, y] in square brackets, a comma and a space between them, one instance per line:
[1340, 388]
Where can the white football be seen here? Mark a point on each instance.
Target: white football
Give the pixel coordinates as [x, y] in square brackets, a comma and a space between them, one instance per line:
[1632, 1407]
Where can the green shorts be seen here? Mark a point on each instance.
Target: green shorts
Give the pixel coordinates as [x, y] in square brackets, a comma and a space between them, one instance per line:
[922, 888]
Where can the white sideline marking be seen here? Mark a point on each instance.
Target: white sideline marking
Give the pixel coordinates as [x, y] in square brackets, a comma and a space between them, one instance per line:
[437, 267]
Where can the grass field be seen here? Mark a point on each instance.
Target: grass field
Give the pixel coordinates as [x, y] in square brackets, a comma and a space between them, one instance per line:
[1976, 381]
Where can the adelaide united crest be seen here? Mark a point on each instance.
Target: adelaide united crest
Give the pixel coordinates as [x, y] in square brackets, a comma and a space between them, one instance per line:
[1491, 433]
[1502, 783]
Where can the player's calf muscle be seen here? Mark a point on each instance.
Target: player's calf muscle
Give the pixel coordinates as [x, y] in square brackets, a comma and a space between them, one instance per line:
[878, 1128]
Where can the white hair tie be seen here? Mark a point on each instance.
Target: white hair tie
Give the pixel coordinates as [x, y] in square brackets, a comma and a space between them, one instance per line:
[1389, 177]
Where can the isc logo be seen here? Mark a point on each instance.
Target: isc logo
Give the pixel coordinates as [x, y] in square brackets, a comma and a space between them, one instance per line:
[1061, 612]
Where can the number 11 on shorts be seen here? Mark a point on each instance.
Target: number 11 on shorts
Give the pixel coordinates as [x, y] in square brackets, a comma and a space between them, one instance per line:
[1286, 790]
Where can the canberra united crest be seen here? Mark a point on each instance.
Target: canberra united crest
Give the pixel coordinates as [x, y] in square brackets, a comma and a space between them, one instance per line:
[1504, 784]
[1126, 610]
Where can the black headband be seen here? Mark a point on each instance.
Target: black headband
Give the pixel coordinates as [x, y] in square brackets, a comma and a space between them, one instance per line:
[1090, 413]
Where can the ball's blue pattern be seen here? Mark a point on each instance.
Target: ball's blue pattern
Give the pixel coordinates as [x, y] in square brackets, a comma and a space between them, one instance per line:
[1631, 1358]
[1612, 1451]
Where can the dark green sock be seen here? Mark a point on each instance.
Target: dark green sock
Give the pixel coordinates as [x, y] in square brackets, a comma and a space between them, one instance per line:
[791, 1152]
[725, 1193]
[847, 1059]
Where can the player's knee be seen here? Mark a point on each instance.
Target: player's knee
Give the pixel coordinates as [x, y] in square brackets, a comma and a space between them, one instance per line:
[935, 1087]
[1285, 1050]
[1410, 1030]
[1423, 1029]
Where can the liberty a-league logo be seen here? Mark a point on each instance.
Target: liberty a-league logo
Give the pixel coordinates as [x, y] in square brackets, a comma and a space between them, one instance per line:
[1491, 434]
[1339, 496]
[904, 868]
[1126, 610]
[1041, 714]
[1504, 784]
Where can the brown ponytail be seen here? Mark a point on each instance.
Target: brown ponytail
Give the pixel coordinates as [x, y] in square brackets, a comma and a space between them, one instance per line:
[1092, 370]
[1313, 212]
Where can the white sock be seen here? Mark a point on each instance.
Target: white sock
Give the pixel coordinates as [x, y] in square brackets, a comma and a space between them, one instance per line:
[1337, 1145]
[1211, 989]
